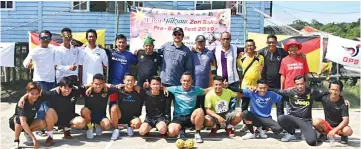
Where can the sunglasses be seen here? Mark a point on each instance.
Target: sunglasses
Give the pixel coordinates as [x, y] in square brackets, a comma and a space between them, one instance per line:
[45, 38]
[67, 36]
[177, 34]
[271, 42]
[226, 38]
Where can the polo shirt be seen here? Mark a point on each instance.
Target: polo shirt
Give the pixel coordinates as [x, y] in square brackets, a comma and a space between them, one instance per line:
[92, 62]
[44, 63]
[202, 67]
[272, 64]
[148, 66]
[64, 58]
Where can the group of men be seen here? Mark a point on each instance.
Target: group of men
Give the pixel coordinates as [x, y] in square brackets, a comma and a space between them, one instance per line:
[259, 79]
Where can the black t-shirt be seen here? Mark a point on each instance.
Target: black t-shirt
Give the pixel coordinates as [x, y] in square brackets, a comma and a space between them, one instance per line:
[97, 102]
[63, 105]
[272, 64]
[157, 105]
[130, 104]
[29, 110]
[334, 111]
[148, 65]
[301, 104]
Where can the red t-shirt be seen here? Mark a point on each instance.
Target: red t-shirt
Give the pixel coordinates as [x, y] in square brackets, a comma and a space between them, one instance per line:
[292, 67]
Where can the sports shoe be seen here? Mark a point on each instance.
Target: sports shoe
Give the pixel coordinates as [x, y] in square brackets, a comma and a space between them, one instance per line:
[288, 137]
[262, 134]
[98, 130]
[49, 142]
[302, 137]
[41, 133]
[130, 131]
[67, 134]
[322, 138]
[198, 137]
[244, 128]
[90, 134]
[248, 136]
[15, 145]
[115, 134]
[29, 140]
[344, 140]
[230, 132]
[182, 134]
[213, 132]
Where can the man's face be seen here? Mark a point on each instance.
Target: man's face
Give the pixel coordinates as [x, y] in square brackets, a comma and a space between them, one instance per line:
[177, 37]
[300, 85]
[250, 47]
[45, 39]
[186, 82]
[33, 94]
[334, 91]
[292, 50]
[200, 45]
[218, 86]
[98, 85]
[155, 85]
[129, 81]
[92, 38]
[225, 39]
[272, 43]
[121, 44]
[66, 36]
[65, 90]
[149, 48]
[262, 89]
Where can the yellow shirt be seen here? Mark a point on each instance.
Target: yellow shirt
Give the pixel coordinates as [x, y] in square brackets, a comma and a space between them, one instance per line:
[253, 74]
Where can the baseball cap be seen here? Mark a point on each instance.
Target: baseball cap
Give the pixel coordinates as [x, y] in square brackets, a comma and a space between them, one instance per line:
[200, 38]
[178, 29]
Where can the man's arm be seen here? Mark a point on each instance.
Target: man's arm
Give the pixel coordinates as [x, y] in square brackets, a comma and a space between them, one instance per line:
[105, 59]
[28, 60]
[205, 91]
[189, 64]
[215, 115]
[26, 127]
[167, 109]
[283, 79]
[344, 123]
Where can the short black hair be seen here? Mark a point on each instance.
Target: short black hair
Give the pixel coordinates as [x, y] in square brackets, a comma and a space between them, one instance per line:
[45, 31]
[337, 82]
[157, 78]
[230, 36]
[129, 74]
[66, 81]
[98, 76]
[120, 36]
[187, 73]
[66, 29]
[251, 40]
[299, 77]
[262, 81]
[91, 31]
[217, 78]
[272, 36]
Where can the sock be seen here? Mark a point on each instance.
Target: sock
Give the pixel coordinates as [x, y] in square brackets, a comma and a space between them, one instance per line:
[229, 126]
[198, 131]
[50, 134]
[90, 126]
[67, 129]
[215, 126]
[17, 140]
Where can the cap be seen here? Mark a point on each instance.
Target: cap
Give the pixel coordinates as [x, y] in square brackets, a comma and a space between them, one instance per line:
[292, 42]
[200, 38]
[178, 29]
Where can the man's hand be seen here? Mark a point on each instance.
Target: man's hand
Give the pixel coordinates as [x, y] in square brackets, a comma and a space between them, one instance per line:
[221, 121]
[303, 55]
[36, 144]
[89, 91]
[347, 103]
[72, 67]
[30, 64]
[146, 84]
[137, 88]
[22, 100]
[119, 86]
[332, 133]
[252, 88]
[57, 89]
[225, 83]
[165, 91]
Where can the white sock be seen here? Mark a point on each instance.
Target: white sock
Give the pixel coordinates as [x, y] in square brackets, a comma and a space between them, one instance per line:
[50, 134]
[229, 126]
[215, 126]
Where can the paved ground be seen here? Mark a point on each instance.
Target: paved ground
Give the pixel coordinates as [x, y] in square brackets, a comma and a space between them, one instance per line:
[79, 140]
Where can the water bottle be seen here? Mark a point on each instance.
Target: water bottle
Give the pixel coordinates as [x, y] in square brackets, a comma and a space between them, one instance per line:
[332, 141]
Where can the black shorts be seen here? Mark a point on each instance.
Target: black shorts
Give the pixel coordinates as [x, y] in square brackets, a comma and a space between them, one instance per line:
[97, 117]
[200, 102]
[64, 120]
[17, 120]
[152, 122]
[125, 120]
[184, 121]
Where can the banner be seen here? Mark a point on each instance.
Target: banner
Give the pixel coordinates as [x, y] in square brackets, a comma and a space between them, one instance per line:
[311, 46]
[343, 51]
[78, 39]
[7, 51]
[159, 24]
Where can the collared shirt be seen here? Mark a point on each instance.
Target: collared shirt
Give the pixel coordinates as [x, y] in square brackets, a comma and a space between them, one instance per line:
[226, 63]
[120, 62]
[202, 67]
[272, 64]
[44, 63]
[148, 66]
[176, 61]
[64, 58]
[92, 61]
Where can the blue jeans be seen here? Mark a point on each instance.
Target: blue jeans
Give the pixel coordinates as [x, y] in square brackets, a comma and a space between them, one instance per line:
[44, 106]
[233, 102]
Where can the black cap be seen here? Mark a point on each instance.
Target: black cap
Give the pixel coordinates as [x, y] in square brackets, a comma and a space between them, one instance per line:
[178, 29]
[200, 38]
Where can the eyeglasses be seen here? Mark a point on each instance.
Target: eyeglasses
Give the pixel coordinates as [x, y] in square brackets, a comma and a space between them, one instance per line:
[66, 36]
[226, 39]
[45, 38]
[177, 34]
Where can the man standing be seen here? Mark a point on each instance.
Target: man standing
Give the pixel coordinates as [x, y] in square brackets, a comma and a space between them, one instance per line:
[336, 115]
[66, 58]
[202, 59]
[92, 59]
[177, 59]
[272, 63]
[149, 62]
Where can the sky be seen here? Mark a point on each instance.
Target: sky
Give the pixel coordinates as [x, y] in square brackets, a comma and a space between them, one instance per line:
[319, 8]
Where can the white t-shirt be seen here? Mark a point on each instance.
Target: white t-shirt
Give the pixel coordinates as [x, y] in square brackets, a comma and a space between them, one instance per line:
[92, 62]
[44, 63]
[63, 59]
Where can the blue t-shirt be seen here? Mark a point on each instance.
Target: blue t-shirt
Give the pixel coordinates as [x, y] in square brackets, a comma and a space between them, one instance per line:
[184, 101]
[262, 105]
[119, 64]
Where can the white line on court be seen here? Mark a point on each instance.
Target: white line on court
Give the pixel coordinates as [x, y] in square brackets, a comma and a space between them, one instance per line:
[109, 144]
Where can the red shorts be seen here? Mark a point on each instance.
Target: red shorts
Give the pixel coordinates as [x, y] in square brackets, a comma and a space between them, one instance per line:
[113, 97]
[328, 127]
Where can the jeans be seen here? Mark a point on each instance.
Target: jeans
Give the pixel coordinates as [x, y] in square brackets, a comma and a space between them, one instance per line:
[44, 106]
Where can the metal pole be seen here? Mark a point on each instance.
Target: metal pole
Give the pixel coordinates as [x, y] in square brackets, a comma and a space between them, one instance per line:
[337, 72]
[117, 21]
[244, 22]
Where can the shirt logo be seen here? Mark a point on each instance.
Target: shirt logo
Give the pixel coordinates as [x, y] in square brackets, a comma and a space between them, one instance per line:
[33, 109]
[104, 95]
[258, 100]
[98, 54]
[155, 60]
[128, 99]
[142, 56]
[304, 103]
